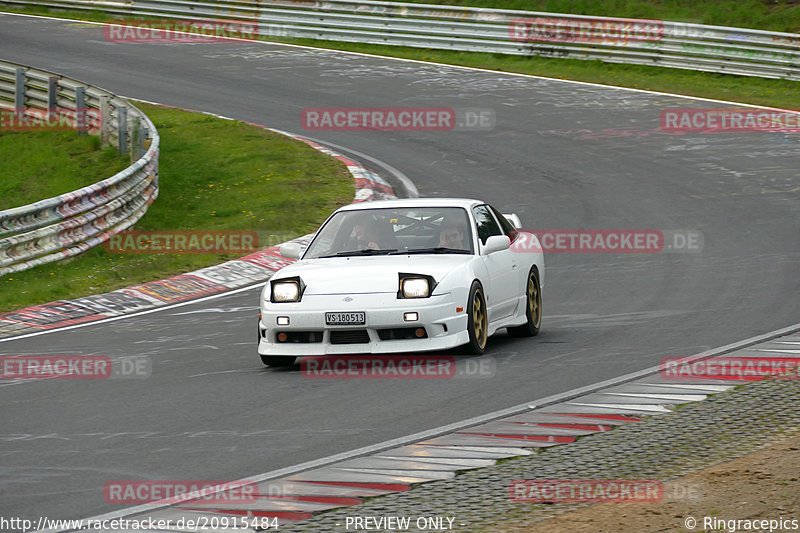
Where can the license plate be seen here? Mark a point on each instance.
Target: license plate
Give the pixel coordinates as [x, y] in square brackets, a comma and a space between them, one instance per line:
[346, 319]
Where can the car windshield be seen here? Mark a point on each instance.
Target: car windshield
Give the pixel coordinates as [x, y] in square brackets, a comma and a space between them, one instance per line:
[386, 231]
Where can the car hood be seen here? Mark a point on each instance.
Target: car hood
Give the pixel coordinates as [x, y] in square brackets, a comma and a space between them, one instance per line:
[370, 274]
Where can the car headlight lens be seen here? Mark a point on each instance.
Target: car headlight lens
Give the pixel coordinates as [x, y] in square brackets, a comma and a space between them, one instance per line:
[286, 291]
[415, 288]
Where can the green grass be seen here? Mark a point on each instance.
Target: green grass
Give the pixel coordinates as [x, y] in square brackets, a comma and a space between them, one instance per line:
[40, 164]
[214, 175]
[761, 14]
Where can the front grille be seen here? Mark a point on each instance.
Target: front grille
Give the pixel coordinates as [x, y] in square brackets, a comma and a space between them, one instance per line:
[349, 336]
[401, 333]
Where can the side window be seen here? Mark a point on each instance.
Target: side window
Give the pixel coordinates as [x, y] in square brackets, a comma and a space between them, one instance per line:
[508, 228]
[485, 224]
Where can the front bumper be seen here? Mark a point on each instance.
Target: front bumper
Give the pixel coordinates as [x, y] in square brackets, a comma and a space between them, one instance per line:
[445, 327]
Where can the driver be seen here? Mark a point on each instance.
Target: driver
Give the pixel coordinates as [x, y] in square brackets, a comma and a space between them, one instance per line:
[451, 236]
[365, 236]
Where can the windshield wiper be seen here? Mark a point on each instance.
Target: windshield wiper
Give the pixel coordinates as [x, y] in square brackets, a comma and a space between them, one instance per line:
[365, 251]
[435, 250]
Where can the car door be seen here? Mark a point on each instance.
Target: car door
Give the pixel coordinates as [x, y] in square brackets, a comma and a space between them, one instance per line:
[501, 266]
[520, 265]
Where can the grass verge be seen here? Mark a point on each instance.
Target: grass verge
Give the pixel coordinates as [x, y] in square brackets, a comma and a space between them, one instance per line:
[780, 16]
[36, 165]
[214, 174]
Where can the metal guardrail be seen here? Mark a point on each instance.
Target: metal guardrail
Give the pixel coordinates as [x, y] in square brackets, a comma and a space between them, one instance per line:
[69, 224]
[643, 42]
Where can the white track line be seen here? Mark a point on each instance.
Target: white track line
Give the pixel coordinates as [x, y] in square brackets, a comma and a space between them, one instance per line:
[138, 313]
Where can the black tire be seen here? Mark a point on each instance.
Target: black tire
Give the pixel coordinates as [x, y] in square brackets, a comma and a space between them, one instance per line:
[533, 308]
[278, 361]
[477, 320]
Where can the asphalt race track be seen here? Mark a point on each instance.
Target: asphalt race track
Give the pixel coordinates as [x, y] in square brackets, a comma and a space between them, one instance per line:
[562, 155]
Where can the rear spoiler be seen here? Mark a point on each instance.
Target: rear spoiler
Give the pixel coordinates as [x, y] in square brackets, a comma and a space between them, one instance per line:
[514, 219]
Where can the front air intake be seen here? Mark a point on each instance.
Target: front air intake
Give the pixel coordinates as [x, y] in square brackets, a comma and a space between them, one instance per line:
[349, 336]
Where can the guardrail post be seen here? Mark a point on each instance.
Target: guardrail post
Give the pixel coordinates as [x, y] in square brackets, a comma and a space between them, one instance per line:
[19, 89]
[52, 96]
[80, 110]
[135, 133]
[122, 129]
[143, 134]
[105, 121]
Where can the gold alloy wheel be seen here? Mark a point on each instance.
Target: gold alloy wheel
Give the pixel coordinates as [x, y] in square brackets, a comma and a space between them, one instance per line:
[479, 326]
[534, 300]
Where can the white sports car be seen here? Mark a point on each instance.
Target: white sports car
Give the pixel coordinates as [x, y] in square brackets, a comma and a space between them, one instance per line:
[403, 276]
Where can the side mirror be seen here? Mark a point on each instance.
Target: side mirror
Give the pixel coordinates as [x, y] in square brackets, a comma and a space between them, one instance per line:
[290, 250]
[495, 243]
